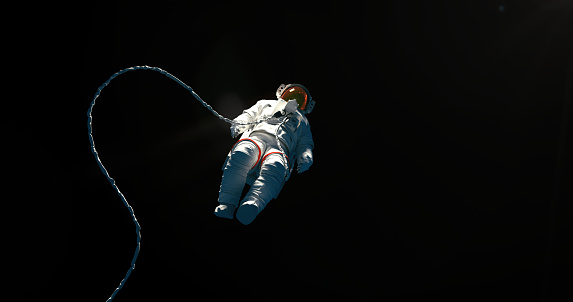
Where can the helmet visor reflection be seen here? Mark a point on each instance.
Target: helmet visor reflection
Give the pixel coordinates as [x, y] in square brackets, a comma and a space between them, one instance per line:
[298, 94]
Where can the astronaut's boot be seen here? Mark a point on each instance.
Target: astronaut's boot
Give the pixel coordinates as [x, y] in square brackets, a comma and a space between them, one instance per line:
[249, 210]
[225, 211]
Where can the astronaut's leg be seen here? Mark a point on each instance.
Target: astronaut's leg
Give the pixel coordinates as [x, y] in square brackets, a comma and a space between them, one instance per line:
[265, 188]
[244, 157]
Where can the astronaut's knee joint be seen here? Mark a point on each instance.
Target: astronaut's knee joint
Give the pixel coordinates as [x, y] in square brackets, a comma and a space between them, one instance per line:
[240, 155]
[275, 160]
[244, 154]
[274, 167]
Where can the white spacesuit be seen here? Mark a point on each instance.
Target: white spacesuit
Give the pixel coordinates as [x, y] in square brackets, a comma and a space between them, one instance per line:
[264, 155]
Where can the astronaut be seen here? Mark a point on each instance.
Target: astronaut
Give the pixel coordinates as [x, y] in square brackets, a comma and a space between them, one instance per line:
[264, 155]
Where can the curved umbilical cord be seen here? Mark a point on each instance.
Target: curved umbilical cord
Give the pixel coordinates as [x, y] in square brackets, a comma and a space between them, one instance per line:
[111, 180]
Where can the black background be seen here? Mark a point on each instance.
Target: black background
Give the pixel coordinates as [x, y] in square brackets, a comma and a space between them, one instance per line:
[442, 159]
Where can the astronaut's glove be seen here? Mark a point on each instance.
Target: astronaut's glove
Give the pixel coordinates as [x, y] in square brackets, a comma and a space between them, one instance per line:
[236, 130]
[291, 106]
[304, 161]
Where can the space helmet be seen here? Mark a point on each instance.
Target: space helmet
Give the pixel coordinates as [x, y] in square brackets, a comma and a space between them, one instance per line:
[299, 93]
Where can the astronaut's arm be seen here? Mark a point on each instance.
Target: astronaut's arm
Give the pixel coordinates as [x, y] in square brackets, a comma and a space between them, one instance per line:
[304, 160]
[248, 116]
[304, 148]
